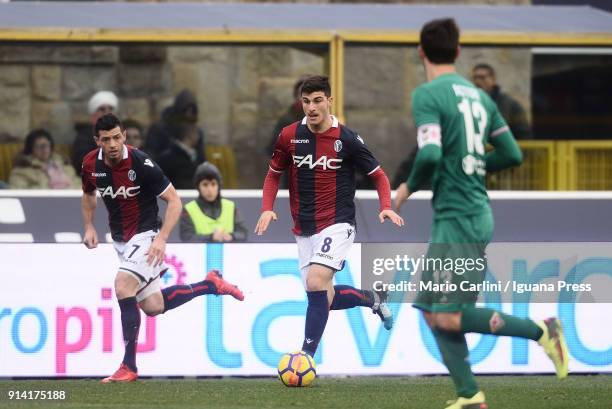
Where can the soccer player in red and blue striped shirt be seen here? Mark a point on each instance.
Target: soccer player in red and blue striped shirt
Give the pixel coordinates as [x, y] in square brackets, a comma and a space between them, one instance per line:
[130, 183]
[322, 156]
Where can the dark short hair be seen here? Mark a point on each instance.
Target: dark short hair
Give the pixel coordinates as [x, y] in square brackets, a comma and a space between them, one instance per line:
[484, 66]
[28, 145]
[439, 40]
[316, 83]
[297, 87]
[106, 123]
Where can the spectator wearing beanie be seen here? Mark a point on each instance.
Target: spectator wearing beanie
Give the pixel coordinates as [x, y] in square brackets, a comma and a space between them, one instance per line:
[100, 104]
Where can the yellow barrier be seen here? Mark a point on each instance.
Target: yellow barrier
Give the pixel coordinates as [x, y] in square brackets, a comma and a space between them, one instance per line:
[222, 156]
[589, 165]
[8, 151]
[559, 165]
[536, 173]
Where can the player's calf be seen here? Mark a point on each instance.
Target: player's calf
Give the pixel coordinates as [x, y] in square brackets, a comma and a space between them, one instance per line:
[346, 297]
[318, 284]
[153, 305]
[130, 323]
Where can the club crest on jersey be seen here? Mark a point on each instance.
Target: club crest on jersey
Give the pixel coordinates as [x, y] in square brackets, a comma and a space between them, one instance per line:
[323, 161]
[122, 191]
[338, 145]
[132, 175]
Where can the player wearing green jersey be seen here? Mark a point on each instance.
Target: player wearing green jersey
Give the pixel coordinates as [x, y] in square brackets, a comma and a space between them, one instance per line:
[455, 120]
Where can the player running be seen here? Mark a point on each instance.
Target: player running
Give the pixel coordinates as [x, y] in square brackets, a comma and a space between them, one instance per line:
[321, 156]
[455, 120]
[130, 183]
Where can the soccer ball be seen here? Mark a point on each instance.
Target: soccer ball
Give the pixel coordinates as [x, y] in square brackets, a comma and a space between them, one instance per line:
[297, 369]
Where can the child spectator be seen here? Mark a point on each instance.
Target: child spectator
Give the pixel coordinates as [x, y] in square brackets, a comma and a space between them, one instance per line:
[210, 217]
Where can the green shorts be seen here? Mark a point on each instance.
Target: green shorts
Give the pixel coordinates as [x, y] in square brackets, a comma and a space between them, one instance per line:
[445, 283]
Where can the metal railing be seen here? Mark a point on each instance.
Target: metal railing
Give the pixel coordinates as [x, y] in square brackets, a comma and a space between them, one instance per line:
[558, 165]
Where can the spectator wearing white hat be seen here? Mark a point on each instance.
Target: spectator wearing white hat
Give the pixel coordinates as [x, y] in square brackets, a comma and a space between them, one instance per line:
[101, 103]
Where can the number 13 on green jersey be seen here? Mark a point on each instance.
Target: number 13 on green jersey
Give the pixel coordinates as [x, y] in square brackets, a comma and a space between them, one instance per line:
[452, 113]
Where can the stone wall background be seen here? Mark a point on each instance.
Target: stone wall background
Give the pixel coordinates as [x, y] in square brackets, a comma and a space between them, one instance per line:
[241, 90]
[379, 81]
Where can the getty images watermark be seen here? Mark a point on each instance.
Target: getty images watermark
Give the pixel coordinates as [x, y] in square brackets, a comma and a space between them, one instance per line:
[501, 272]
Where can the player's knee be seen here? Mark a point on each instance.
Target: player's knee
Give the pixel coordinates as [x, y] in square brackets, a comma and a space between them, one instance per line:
[125, 286]
[429, 319]
[122, 292]
[314, 284]
[319, 278]
[448, 321]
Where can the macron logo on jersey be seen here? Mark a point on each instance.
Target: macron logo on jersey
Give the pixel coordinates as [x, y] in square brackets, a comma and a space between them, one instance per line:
[148, 162]
[323, 161]
[122, 191]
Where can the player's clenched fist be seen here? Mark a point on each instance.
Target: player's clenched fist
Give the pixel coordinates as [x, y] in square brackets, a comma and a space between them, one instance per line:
[264, 221]
[91, 238]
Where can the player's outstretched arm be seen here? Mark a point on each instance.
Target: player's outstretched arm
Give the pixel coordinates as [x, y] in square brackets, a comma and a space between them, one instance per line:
[401, 195]
[270, 190]
[88, 209]
[384, 196]
[157, 251]
[425, 163]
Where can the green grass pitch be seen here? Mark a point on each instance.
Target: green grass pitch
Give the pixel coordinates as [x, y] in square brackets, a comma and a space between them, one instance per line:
[503, 392]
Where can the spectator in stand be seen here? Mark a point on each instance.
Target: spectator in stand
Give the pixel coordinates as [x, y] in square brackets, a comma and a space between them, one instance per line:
[483, 76]
[100, 104]
[134, 134]
[210, 217]
[180, 160]
[294, 113]
[183, 112]
[38, 167]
